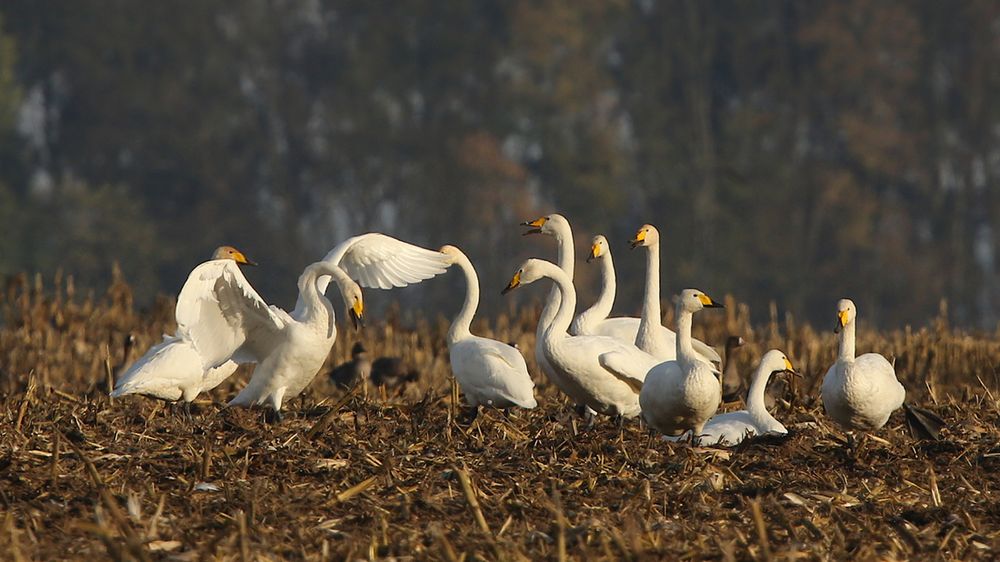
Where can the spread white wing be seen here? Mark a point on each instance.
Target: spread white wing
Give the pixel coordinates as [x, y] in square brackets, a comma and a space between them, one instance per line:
[378, 261]
[220, 313]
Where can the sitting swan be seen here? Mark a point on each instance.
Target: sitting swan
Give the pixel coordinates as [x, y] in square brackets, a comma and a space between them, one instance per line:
[653, 337]
[683, 394]
[226, 318]
[862, 392]
[728, 430]
[594, 321]
[610, 390]
[173, 370]
[488, 371]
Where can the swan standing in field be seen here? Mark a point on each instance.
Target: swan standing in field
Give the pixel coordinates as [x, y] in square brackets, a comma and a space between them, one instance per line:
[594, 321]
[862, 392]
[489, 372]
[683, 394]
[728, 430]
[226, 318]
[653, 337]
[608, 389]
[173, 369]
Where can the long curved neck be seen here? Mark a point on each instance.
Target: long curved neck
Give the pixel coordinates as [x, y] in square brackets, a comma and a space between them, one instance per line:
[755, 397]
[564, 243]
[847, 336]
[564, 315]
[651, 300]
[462, 324]
[606, 299]
[685, 349]
[311, 301]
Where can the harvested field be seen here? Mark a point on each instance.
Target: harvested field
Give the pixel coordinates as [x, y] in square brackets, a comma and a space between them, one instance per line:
[364, 475]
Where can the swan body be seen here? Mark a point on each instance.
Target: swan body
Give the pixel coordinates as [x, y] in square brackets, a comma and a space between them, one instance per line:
[173, 369]
[594, 321]
[682, 394]
[489, 372]
[859, 392]
[652, 337]
[610, 388]
[730, 429]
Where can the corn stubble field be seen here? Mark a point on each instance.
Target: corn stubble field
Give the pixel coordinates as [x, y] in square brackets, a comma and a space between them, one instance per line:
[366, 475]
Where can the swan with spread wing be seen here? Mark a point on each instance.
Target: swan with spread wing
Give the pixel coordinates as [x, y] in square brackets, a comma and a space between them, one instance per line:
[227, 319]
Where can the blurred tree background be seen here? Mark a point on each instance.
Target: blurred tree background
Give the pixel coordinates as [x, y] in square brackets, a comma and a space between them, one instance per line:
[789, 151]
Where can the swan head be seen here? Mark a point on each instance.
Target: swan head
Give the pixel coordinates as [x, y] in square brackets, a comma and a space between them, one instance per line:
[355, 302]
[598, 247]
[549, 224]
[231, 253]
[647, 235]
[529, 272]
[775, 361]
[846, 312]
[453, 253]
[693, 300]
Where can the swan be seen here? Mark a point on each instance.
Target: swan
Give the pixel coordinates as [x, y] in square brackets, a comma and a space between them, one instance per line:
[226, 318]
[862, 392]
[653, 337]
[594, 321]
[611, 389]
[489, 372]
[730, 429]
[173, 370]
[682, 394]
[557, 226]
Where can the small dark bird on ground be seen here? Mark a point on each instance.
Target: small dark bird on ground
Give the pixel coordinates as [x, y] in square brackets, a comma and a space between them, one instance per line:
[392, 372]
[358, 368]
[733, 386]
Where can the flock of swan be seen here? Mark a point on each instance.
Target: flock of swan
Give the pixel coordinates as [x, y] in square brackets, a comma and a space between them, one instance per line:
[621, 367]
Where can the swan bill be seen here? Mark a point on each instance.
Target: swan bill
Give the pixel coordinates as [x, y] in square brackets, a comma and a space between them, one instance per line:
[595, 252]
[357, 314]
[842, 319]
[639, 238]
[515, 282]
[707, 301]
[536, 224]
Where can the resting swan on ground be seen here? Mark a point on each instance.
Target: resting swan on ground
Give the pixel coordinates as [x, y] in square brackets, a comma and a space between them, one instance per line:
[173, 370]
[729, 429]
[611, 390]
[862, 392]
[683, 394]
[594, 321]
[489, 372]
[653, 337]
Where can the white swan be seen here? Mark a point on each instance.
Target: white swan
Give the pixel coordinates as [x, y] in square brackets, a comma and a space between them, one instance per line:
[557, 226]
[683, 394]
[226, 318]
[489, 372]
[728, 430]
[173, 370]
[653, 337]
[594, 321]
[859, 392]
[608, 389]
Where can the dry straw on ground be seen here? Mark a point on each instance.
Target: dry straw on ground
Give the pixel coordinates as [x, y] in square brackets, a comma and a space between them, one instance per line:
[366, 475]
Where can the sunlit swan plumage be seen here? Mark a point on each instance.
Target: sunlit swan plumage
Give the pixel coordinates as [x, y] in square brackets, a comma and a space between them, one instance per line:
[594, 321]
[682, 394]
[612, 390]
[859, 392]
[731, 428]
[556, 226]
[653, 337]
[488, 371]
[173, 369]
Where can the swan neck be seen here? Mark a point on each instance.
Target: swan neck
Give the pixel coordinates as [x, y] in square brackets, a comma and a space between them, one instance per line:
[685, 349]
[565, 260]
[310, 295]
[651, 317]
[606, 298]
[847, 340]
[564, 315]
[462, 324]
[755, 396]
